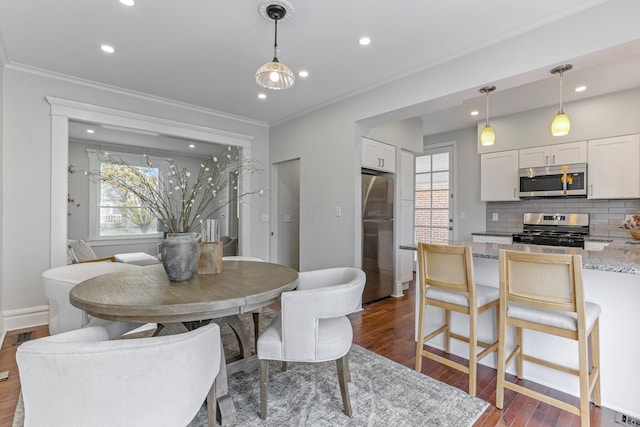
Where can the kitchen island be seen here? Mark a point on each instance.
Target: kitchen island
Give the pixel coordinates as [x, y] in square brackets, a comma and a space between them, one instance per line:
[612, 279]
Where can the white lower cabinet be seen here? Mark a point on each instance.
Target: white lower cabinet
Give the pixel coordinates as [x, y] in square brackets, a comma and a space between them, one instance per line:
[613, 167]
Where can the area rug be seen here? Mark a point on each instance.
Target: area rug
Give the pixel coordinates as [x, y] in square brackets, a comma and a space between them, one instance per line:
[382, 392]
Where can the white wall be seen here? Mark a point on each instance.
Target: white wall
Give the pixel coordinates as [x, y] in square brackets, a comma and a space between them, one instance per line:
[26, 149]
[326, 140]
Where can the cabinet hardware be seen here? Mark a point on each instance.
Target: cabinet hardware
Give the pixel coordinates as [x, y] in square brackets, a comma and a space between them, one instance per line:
[546, 160]
[553, 159]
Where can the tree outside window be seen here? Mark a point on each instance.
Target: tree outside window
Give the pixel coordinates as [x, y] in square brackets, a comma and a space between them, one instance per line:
[121, 212]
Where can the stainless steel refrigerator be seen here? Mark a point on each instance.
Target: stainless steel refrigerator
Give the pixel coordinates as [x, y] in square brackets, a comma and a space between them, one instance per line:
[377, 234]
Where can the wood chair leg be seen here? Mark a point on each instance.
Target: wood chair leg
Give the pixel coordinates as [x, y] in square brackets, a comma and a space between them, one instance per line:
[212, 406]
[583, 372]
[343, 373]
[519, 357]
[595, 360]
[264, 379]
[256, 328]
[447, 331]
[473, 353]
[502, 349]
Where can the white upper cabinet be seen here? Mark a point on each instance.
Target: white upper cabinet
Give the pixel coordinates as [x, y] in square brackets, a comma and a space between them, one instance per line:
[378, 156]
[499, 176]
[614, 168]
[560, 154]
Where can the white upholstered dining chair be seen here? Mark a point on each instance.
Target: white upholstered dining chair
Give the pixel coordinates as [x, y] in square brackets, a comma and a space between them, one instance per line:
[59, 281]
[80, 378]
[312, 325]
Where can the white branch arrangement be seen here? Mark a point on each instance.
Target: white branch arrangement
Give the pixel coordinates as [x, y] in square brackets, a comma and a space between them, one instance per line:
[178, 198]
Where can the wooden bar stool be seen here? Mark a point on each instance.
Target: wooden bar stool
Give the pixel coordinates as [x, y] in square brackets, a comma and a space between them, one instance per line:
[446, 280]
[544, 293]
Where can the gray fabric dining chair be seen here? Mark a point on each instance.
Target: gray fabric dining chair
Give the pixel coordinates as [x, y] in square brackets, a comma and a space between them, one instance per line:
[81, 378]
[312, 326]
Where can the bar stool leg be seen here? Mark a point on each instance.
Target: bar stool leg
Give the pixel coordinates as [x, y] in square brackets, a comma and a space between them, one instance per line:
[595, 356]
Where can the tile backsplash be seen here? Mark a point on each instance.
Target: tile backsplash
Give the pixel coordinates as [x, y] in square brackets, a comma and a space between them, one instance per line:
[605, 216]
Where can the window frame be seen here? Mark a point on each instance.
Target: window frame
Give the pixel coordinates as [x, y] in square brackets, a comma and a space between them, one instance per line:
[94, 193]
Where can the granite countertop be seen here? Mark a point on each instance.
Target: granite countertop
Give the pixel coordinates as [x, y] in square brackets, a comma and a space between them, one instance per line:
[620, 256]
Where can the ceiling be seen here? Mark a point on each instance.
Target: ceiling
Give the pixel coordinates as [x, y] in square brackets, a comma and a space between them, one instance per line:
[205, 53]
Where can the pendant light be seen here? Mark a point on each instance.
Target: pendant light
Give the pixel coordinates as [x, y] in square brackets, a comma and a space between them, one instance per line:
[487, 136]
[275, 75]
[561, 124]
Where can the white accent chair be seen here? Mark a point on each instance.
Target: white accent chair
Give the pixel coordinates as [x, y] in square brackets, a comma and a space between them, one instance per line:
[58, 282]
[80, 378]
[312, 326]
[544, 293]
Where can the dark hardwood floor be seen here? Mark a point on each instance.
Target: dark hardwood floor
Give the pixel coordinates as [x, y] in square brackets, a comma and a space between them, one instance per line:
[385, 327]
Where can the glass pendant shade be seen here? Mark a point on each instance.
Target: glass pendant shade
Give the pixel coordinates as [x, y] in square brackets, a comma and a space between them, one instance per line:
[561, 124]
[487, 136]
[274, 75]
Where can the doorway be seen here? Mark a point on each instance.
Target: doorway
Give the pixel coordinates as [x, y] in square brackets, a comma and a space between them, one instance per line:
[288, 213]
[434, 195]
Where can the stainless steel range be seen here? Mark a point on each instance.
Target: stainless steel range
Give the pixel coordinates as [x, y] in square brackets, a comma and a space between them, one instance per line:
[556, 229]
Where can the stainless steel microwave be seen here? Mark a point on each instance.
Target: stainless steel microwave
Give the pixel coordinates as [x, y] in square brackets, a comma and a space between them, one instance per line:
[554, 181]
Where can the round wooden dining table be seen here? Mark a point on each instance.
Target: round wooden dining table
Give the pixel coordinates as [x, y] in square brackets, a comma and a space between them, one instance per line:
[146, 295]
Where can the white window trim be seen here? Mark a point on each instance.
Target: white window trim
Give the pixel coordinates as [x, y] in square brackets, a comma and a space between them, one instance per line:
[94, 191]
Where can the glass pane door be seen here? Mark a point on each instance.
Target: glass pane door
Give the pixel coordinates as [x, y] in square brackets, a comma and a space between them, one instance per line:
[433, 211]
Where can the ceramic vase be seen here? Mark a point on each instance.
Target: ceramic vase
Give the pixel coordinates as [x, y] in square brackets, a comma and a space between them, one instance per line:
[179, 253]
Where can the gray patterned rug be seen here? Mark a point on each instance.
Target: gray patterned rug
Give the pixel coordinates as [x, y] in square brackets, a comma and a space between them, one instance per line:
[382, 392]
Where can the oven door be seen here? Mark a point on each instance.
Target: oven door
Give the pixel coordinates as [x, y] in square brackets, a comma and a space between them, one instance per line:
[554, 181]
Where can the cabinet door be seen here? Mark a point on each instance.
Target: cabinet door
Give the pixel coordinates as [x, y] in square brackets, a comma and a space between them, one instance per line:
[378, 156]
[614, 167]
[405, 257]
[499, 176]
[534, 157]
[570, 153]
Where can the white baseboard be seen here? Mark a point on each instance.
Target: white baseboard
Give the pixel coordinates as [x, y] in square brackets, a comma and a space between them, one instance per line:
[25, 317]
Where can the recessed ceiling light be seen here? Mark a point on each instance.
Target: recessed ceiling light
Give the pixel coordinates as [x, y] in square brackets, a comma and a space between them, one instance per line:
[128, 2]
[91, 131]
[581, 88]
[303, 73]
[364, 41]
[262, 96]
[107, 48]
[474, 113]
[192, 146]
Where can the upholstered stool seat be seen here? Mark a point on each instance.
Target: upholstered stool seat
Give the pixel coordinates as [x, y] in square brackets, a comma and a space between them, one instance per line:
[557, 319]
[484, 295]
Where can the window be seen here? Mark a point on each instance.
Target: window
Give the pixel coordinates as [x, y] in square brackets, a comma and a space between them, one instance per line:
[116, 212]
[433, 196]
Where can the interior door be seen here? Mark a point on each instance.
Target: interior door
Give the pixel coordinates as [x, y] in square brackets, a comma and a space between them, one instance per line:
[434, 195]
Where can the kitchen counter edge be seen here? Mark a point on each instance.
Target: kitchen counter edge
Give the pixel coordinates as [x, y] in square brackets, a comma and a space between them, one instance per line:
[617, 257]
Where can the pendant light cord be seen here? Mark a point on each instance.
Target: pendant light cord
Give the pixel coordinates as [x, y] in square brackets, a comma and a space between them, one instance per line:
[561, 78]
[275, 42]
[487, 124]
